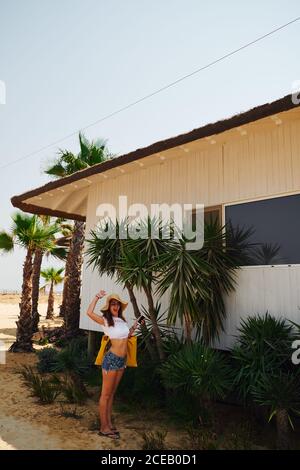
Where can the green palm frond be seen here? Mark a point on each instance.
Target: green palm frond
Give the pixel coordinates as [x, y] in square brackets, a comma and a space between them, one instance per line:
[280, 391]
[198, 370]
[52, 275]
[6, 242]
[57, 252]
[29, 231]
[264, 346]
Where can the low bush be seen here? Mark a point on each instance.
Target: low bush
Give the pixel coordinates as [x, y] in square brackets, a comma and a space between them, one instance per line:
[154, 440]
[47, 359]
[45, 389]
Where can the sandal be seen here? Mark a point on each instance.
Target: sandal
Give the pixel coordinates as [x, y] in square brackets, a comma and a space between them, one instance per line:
[112, 435]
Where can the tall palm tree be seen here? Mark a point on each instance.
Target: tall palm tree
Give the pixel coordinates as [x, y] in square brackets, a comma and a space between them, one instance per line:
[74, 261]
[67, 163]
[53, 277]
[29, 233]
[58, 251]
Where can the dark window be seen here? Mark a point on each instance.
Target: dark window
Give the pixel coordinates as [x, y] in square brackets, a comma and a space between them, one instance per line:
[275, 227]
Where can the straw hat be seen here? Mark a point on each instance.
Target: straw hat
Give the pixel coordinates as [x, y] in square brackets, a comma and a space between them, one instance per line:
[115, 297]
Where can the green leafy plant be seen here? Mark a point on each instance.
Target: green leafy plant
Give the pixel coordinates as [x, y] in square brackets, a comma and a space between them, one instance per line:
[281, 394]
[44, 389]
[263, 347]
[73, 358]
[47, 358]
[199, 371]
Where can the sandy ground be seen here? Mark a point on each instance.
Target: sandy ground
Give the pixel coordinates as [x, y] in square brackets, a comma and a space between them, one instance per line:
[25, 424]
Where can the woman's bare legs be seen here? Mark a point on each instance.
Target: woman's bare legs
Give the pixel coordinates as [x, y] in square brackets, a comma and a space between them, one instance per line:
[108, 384]
[118, 376]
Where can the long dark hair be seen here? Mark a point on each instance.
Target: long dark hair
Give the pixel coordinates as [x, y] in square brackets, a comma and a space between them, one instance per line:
[109, 316]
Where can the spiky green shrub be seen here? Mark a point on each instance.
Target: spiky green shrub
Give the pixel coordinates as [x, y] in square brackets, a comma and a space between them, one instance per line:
[47, 358]
[198, 370]
[142, 384]
[263, 347]
[73, 358]
[42, 388]
[281, 394]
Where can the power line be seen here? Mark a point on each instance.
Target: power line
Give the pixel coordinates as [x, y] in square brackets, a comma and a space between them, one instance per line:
[159, 90]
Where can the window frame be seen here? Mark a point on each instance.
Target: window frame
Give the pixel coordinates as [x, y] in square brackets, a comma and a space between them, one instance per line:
[256, 199]
[216, 207]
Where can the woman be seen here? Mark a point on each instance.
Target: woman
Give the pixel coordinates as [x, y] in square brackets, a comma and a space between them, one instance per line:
[114, 361]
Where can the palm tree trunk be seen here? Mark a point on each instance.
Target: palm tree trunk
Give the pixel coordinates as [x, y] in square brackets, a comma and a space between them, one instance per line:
[23, 341]
[62, 308]
[188, 327]
[144, 328]
[37, 263]
[50, 308]
[72, 312]
[283, 430]
[155, 327]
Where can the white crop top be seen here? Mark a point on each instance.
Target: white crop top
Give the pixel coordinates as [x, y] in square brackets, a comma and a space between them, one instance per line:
[119, 331]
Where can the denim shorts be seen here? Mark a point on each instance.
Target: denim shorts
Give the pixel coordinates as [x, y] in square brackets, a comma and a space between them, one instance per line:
[113, 362]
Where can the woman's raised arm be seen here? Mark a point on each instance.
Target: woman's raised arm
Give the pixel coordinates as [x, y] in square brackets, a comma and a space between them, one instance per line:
[90, 311]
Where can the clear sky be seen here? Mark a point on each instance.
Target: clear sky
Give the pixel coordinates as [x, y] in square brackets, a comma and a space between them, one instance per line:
[67, 63]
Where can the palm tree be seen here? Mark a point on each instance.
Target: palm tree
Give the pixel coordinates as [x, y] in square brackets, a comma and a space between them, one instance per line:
[91, 153]
[74, 262]
[58, 251]
[52, 276]
[29, 233]
[67, 163]
[180, 274]
[198, 279]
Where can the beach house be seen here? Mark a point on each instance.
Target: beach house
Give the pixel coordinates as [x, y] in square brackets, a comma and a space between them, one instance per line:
[245, 169]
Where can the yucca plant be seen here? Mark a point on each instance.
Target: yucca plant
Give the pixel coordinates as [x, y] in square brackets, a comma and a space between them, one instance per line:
[263, 347]
[74, 362]
[44, 389]
[281, 394]
[199, 371]
[47, 360]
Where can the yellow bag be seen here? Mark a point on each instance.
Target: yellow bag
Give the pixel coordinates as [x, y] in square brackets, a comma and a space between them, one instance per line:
[131, 360]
